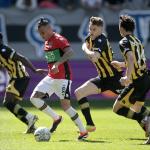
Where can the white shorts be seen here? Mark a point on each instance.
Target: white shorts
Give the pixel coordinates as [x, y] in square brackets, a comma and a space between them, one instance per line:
[61, 87]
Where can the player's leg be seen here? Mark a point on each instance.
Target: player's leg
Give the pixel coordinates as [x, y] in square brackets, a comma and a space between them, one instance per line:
[140, 108]
[72, 113]
[125, 111]
[14, 93]
[37, 98]
[63, 92]
[88, 88]
[123, 107]
[10, 102]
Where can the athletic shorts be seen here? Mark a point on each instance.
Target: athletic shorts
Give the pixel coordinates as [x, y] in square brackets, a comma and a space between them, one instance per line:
[18, 86]
[136, 91]
[110, 83]
[60, 87]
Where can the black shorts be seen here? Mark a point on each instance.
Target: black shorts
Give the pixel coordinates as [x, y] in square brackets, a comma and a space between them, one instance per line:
[110, 83]
[18, 86]
[135, 91]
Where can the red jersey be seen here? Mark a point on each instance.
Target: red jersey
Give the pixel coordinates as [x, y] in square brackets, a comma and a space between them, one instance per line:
[53, 48]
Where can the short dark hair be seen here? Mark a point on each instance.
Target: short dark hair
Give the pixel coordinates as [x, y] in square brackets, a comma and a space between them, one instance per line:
[127, 22]
[43, 22]
[96, 21]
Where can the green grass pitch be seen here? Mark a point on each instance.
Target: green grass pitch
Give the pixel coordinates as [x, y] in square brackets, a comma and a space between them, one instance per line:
[113, 132]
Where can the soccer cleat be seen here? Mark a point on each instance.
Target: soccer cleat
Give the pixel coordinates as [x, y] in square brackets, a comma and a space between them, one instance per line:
[55, 124]
[83, 135]
[147, 141]
[31, 121]
[31, 130]
[90, 128]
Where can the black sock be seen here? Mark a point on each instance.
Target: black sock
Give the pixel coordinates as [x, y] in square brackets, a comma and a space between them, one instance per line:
[21, 114]
[84, 105]
[145, 112]
[17, 110]
[128, 113]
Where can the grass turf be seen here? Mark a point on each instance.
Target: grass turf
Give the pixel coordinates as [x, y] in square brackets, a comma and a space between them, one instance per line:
[113, 132]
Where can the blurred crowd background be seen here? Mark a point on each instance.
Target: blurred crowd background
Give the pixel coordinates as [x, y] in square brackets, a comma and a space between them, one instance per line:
[70, 5]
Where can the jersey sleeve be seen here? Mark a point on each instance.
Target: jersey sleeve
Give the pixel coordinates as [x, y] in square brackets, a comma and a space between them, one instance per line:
[63, 43]
[7, 52]
[125, 46]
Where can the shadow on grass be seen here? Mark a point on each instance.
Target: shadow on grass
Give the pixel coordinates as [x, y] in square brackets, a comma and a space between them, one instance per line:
[136, 139]
[86, 140]
[139, 139]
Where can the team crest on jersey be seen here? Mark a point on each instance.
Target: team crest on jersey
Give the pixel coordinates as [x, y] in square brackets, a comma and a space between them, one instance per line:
[99, 40]
[33, 36]
[3, 50]
[84, 28]
[142, 18]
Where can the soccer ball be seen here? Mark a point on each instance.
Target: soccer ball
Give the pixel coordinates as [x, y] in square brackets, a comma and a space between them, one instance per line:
[42, 134]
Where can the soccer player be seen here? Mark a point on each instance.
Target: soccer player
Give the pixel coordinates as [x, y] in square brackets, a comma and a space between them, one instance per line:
[130, 103]
[15, 64]
[99, 51]
[57, 53]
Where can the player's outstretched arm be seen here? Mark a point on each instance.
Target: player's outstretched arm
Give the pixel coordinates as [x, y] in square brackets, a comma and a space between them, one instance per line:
[117, 64]
[26, 62]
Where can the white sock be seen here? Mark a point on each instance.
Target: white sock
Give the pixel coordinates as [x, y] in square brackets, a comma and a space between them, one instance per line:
[72, 112]
[48, 110]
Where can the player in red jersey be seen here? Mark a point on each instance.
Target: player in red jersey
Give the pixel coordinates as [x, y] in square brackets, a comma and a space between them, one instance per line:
[57, 53]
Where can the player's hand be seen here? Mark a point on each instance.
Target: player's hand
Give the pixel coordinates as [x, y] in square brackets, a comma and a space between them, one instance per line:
[54, 68]
[94, 56]
[41, 71]
[125, 81]
[116, 64]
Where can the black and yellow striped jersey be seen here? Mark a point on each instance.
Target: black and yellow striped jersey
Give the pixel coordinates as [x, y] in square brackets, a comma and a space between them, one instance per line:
[131, 43]
[103, 65]
[15, 68]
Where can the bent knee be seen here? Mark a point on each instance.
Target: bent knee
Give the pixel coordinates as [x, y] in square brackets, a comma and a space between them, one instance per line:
[37, 95]
[65, 104]
[5, 103]
[79, 93]
[116, 106]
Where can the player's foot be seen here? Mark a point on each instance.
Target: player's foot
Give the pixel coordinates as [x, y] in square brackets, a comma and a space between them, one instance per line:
[31, 121]
[83, 135]
[147, 141]
[31, 130]
[55, 124]
[90, 128]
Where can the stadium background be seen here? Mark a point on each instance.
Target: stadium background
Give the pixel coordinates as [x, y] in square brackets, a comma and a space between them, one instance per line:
[18, 27]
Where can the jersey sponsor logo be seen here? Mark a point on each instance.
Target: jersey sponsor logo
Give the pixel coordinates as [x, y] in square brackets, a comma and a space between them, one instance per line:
[84, 28]
[3, 28]
[63, 89]
[33, 36]
[142, 18]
